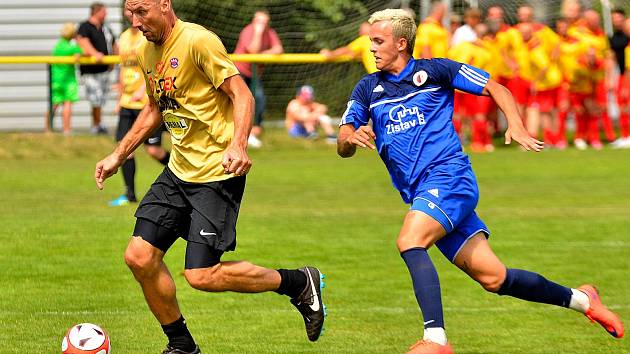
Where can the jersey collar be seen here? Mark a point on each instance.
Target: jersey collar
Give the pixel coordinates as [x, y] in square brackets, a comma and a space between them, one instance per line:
[403, 74]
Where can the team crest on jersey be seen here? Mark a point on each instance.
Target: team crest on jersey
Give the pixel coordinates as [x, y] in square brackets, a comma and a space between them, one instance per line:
[174, 63]
[420, 77]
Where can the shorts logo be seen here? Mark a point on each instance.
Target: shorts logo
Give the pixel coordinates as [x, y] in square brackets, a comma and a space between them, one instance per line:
[420, 77]
[431, 205]
[174, 63]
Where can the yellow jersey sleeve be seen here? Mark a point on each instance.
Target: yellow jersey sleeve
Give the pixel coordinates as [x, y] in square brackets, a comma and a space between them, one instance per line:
[209, 53]
[627, 51]
[362, 47]
[434, 36]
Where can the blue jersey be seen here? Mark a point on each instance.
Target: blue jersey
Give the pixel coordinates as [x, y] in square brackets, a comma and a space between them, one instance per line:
[412, 116]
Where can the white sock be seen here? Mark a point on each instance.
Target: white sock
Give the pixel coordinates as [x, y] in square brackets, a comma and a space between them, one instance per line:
[435, 335]
[579, 301]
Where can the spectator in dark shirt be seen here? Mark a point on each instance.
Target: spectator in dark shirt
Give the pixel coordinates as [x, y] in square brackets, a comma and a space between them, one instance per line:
[97, 40]
[257, 38]
[619, 39]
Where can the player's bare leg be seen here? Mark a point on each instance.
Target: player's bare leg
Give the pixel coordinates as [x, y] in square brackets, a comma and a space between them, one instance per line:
[147, 266]
[419, 232]
[477, 259]
[238, 276]
[66, 116]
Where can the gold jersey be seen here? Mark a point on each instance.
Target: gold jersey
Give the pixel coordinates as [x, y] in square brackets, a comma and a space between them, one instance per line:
[130, 72]
[362, 46]
[431, 33]
[183, 76]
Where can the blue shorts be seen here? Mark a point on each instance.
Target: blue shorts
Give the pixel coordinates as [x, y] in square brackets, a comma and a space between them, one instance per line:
[449, 194]
[298, 131]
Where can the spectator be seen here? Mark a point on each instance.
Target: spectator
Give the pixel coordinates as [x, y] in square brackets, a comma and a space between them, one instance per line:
[466, 33]
[359, 47]
[257, 38]
[618, 43]
[431, 36]
[133, 97]
[97, 40]
[65, 89]
[304, 115]
[623, 97]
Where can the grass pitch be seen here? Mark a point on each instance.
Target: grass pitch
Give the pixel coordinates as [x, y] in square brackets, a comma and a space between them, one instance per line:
[565, 214]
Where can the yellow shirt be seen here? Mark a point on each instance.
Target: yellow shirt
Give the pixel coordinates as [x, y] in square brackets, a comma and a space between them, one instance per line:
[184, 75]
[431, 33]
[595, 41]
[130, 72]
[511, 43]
[546, 74]
[362, 46]
[473, 53]
[573, 65]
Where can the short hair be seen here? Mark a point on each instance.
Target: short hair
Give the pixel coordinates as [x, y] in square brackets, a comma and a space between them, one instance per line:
[619, 10]
[473, 12]
[403, 24]
[68, 30]
[95, 7]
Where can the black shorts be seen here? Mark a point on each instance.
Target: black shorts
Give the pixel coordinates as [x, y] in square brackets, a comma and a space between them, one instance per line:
[127, 117]
[204, 214]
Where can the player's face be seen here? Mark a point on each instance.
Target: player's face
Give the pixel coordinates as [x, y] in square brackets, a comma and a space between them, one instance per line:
[147, 16]
[384, 46]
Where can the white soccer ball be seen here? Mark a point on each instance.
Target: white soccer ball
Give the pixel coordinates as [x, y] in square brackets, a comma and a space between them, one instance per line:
[85, 338]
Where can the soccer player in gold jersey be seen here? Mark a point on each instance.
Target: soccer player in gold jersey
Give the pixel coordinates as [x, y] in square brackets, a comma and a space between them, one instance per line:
[132, 99]
[431, 37]
[360, 48]
[196, 90]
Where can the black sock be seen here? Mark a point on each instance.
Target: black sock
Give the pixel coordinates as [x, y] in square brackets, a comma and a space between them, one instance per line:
[164, 160]
[292, 282]
[129, 173]
[178, 335]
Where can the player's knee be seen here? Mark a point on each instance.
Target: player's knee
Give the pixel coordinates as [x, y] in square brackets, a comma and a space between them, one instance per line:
[208, 279]
[407, 241]
[491, 283]
[139, 259]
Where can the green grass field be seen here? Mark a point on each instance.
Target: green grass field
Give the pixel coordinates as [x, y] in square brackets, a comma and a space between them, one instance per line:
[565, 214]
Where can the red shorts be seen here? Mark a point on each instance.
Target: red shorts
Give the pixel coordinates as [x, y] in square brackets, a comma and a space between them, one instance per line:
[601, 94]
[577, 99]
[520, 88]
[465, 103]
[484, 105]
[545, 100]
[623, 90]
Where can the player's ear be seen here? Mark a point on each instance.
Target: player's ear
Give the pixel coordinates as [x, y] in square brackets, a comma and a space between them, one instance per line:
[402, 44]
[165, 5]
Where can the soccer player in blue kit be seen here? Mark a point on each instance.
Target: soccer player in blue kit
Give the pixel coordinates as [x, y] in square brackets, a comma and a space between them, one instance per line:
[410, 104]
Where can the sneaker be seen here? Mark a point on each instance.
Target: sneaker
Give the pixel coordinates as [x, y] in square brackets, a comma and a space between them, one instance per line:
[310, 303]
[427, 347]
[254, 142]
[597, 312]
[331, 140]
[312, 136]
[580, 144]
[171, 350]
[99, 130]
[120, 201]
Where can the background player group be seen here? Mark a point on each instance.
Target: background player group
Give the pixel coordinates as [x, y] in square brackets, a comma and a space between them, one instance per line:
[573, 71]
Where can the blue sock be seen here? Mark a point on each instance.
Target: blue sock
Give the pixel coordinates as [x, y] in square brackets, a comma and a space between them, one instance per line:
[534, 287]
[426, 286]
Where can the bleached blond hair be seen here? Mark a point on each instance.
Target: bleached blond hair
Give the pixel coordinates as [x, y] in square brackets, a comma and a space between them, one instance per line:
[68, 30]
[403, 24]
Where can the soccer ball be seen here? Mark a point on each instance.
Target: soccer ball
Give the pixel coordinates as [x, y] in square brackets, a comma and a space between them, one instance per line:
[85, 338]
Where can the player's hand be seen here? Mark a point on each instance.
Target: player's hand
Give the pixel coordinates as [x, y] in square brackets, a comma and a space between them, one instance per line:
[106, 168]
[99, 57]
[235, 160]
[363, 137]
[521, 136]
[326, 53]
